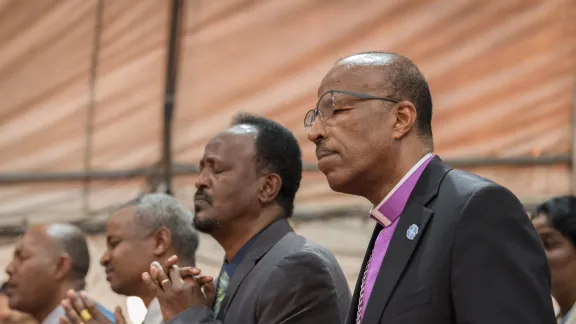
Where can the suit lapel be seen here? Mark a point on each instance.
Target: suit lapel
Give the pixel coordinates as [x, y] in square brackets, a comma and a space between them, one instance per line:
[397, 257]
[263, 243]
[401, 248]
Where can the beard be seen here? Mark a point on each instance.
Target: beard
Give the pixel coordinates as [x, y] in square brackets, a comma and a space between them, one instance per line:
[207, 226]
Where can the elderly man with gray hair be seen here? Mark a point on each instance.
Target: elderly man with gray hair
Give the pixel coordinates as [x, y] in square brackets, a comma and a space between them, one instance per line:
[150, 228]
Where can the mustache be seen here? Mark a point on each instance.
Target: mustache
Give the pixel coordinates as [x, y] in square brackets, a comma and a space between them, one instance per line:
[201, 194]
[320, 148]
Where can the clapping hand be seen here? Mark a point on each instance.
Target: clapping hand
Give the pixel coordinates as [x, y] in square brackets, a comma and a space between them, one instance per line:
[80, 309]
[180, 289]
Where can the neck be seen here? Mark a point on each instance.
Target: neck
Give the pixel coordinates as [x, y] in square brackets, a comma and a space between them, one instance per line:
[60, 294]
[147, 299]
[242, 231]
[566, 300]
[406, 160]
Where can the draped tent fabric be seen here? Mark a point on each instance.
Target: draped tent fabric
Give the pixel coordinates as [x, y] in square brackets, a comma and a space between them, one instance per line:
[502, 75]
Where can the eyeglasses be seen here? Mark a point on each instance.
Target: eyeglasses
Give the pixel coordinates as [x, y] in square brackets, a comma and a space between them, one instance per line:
[335, 100]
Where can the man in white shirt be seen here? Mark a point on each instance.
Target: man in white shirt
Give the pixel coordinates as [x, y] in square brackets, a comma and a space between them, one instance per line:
[151, 228]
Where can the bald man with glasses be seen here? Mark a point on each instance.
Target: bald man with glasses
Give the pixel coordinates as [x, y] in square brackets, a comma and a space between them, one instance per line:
[448, 247]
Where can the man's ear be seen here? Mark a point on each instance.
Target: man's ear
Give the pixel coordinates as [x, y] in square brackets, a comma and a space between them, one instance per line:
[406, 115]
[270, 185]
[162, 241]
[63, 267]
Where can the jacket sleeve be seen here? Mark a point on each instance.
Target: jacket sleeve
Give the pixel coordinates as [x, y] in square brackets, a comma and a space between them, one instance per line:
[195, 315]
[500, 272]
[299, 290]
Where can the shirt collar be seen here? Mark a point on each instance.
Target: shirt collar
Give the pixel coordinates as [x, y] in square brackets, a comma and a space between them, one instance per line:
[390, 208]
[54, 316]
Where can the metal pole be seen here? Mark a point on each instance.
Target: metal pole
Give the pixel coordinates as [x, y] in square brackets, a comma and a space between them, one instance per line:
[573, 166]
[92, 105]
[191, 169]
[171, 79]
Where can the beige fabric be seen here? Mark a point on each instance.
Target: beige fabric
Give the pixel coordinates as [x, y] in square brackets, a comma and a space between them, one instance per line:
[501, 73]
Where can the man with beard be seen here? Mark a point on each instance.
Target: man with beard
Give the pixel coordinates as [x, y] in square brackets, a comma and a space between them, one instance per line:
[248, 179]
[448, 247]
[149, 229]
[48, 261]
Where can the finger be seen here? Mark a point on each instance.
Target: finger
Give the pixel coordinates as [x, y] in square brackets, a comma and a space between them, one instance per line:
[75, 301]
[163, 278]
[119, 316]
[209, 289]
[209, 293]
[176, 278]
[92, 308]
[171, 261]
[189, 272]
[205, 280]
[153, 271]
[152, 285]
[73, 316]
[64, 320]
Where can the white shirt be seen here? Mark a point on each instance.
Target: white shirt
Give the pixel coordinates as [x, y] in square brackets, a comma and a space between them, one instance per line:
[54, 316]
[154, 314]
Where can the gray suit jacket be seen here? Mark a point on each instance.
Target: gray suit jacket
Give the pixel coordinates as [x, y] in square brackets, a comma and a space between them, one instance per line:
[283, 279]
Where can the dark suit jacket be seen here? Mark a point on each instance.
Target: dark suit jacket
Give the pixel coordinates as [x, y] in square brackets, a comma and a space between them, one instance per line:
[475, 260]
[282, 278]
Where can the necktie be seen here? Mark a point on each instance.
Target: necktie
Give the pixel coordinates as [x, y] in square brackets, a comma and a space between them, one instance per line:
[223, 281]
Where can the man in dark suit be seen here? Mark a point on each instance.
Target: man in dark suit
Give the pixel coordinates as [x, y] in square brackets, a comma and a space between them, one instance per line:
[248, 179]
[448, 246]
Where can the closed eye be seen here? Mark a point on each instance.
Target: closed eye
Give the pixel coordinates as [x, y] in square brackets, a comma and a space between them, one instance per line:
[337, 111]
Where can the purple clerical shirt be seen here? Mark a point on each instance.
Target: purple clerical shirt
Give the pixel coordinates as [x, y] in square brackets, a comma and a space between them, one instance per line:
[387, 214]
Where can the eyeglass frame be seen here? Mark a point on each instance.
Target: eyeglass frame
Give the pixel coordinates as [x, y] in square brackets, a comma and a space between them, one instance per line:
[316, 111]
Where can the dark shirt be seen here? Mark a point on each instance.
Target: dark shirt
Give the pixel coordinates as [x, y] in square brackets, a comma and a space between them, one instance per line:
[227, 272]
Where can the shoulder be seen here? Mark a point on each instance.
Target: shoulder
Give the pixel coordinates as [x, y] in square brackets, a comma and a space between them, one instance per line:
[465, 188]
[297, 256]
[306, 253]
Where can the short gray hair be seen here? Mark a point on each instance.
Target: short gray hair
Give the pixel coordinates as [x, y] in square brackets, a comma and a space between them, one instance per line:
[71, 240]
[157, 210]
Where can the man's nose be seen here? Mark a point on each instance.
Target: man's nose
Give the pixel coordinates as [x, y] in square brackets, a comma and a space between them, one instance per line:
[316, 132]
[10, 268]
[202, 180]
[105, 259]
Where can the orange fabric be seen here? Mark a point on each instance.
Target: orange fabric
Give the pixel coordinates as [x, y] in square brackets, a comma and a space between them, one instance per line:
[501, 73]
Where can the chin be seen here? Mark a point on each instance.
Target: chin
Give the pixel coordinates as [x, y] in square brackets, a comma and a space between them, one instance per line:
[337, 182]
[205, 225]
[13, 302]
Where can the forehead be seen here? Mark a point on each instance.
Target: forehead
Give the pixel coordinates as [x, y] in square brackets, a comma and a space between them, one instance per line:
[121, 223]
[35, 238]
[363, 78]
[540, 223]
[236, 143]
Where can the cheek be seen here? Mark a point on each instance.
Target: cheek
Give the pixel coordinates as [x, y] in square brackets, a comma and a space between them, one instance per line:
[561, 261]
[234, 191]
[358, 142]
[125, 258]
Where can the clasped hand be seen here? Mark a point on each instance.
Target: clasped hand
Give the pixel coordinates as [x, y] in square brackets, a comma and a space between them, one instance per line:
[180, 289]
[80, 309]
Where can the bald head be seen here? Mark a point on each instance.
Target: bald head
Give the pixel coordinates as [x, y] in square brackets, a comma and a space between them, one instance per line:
[69, 239]
[402, 80]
